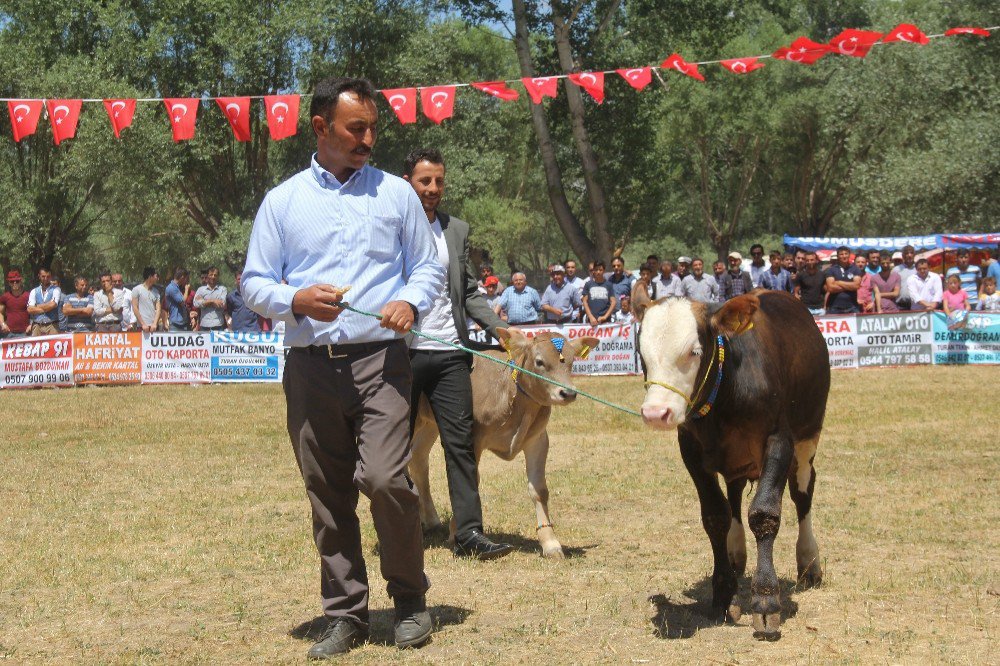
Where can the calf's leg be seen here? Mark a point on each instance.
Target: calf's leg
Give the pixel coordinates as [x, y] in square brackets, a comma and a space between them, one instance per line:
[736, 540]
[802, 481]
[424, 435]
[535, 454]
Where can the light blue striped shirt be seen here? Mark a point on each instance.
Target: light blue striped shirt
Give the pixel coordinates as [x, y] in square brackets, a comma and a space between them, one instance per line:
[369, 232]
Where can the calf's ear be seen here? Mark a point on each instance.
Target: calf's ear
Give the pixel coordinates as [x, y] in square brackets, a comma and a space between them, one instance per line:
[640, 299]
[583, 346]
[736, 316]
[512, 339]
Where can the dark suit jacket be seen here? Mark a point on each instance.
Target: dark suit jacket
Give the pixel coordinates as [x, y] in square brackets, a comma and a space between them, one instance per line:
[466, 299]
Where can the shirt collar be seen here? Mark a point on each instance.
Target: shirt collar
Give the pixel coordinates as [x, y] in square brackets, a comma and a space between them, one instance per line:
[326, 179]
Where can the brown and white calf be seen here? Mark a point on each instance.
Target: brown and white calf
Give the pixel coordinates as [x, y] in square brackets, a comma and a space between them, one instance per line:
[759, 421]
[510, 416]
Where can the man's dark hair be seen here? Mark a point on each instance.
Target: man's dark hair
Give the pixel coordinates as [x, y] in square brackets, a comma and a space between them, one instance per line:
[921, 261]
[884, 254]
[963, 252]
[324, 100]
[102, 274]
[598, 262]
[653, 259]
[432, 155]
[908, 248]
[843, 248]
[210, 269]
[148, 272]
[757, 246]
[78, 278]
[180, 273]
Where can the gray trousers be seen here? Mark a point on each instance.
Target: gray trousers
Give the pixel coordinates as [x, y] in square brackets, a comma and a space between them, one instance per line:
[348, 419]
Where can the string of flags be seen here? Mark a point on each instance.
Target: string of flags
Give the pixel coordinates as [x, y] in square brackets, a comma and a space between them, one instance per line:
[438, 102]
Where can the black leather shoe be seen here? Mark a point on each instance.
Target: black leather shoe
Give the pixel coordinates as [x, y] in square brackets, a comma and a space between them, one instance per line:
[340, 636]
[477, 545]
[413, 622]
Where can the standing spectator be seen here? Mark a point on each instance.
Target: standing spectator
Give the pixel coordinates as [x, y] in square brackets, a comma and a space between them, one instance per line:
[195, 313]
[492, 284]
[971, 276]
[718, 270]
[906, 270]
[735, 282]
[955, 302]
[698, 286]
[993, 270]
[885, 285]
[652, 260]
[810, 285]
[646, 272]
[989, 300]
[800, 260]
[128, 314]
[485, 271]
[666, 283]
[109, 303]
[598, 296]
[241, 318]
[757, 265]
[559, 300]
[924, 288]
[78, 307]
[776, 278]
[575, 281]
[211, 300]
[521, 302]
[788, 263]
[619, 281]
[683, 267]
[43, 304]
[873, 262]
[843, 279]
[178, 315]
[866, 301]
[14, 321]
[897, 258]
[146, 303]
[624, 315]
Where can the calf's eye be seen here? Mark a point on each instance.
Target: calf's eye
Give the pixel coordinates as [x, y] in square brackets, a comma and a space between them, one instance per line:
[539, 363]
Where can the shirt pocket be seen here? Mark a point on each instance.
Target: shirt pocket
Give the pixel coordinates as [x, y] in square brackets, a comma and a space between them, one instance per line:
[381, 237]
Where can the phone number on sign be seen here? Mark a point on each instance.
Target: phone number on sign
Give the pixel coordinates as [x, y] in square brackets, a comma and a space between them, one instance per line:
[245, 372]
[40, 378]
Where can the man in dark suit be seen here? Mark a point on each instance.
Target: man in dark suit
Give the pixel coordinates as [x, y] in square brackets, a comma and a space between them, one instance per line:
[442, 373]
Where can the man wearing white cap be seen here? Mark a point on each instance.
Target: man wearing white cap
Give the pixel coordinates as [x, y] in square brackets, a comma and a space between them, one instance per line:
[560, 300]
[683, 266]
[735, 282]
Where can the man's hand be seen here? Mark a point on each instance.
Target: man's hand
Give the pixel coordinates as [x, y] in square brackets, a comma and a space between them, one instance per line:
[398, 316]
[315, 302]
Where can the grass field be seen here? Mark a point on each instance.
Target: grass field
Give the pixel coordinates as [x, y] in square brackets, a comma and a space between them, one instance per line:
[169, 525]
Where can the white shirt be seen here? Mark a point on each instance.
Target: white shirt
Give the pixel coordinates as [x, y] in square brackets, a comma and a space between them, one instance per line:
[928, 291]
[667, 287]
[440, 321]
[128, 317]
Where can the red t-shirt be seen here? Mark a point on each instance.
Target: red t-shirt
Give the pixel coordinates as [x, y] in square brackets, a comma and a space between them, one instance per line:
[15, 311]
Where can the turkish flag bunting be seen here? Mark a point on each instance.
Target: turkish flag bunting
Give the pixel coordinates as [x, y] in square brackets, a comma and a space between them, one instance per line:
[802, 50]
[24, 114]
[120, 112]
[498, 89]
[438, 102]
[638, 78]
[64, 114]
[904, 32]
[237, 110]
[183, 113]
[742, 65]
[978, 32]
[541, 87]
[282, 112]
[404, 104]
[855, 43]
[682, 66]
[592, 82]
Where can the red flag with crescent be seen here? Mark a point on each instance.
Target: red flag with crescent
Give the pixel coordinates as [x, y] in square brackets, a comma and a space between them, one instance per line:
[404, 104]
[854, 43]
[498, 89]
[541, 87]
[638, 77]
[182, 113]
[742, 65]
[978, 32]
[592, 82]
[24, 115]
[120, 113]
[438, 102]
[237, 112]
[282, 112]
[687, 68]
[905, 32]
[64, 114]
[803, 50]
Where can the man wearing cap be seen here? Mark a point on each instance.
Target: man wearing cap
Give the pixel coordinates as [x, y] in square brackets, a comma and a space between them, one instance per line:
[14, 321]
[43, 305]
[560, 301]
[492, 295]
[734, 282]
[683, 267]
[897, 258]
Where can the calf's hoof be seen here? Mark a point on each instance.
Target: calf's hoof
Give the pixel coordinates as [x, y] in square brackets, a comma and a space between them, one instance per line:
[766, 626]
[553, 550]
[811, 575]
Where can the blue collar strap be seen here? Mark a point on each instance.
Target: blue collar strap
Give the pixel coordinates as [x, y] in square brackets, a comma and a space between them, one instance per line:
[702, 411]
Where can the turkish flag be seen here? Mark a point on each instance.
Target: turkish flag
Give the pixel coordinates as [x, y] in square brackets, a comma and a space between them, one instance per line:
[24, 114]
[854, 43]
[742, 65]
[541, 87]
[682, 66]
[438, 102]
[638, 78]
[64, 114]
[497, 89]
[904, 32]
[592, 82]
[237, 110]
[183, 113]
[120, 112]
[978, 32]
[282, 112]
[404, 104]
[802, 50]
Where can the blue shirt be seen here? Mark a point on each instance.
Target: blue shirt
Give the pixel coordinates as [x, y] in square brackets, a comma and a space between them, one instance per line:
[970, 278]
[244, 319]
[620, 286]
[780, 282]
[369, 232]
[522, 307]
[566, 298]
[178, 308]
[75, 323]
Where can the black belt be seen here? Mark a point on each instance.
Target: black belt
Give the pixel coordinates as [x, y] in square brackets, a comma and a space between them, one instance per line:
[343, 351]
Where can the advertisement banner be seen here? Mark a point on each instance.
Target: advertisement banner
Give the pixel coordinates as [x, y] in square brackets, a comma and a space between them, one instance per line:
[838, 331]
[247, 357]
[977, 343]
[107, 358]
[32, 362]
[176, 358]
[615, 355]
[905, 338]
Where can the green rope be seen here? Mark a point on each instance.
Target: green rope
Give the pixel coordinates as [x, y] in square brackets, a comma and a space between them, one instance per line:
[510, 364]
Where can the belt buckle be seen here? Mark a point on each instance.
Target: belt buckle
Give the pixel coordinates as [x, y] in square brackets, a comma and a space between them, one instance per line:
[329, 352]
